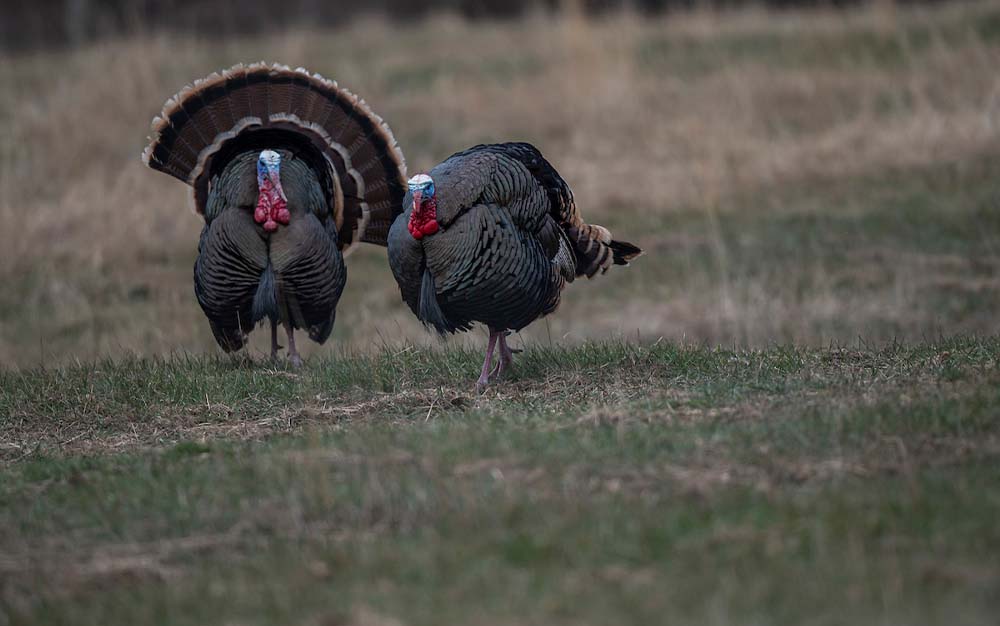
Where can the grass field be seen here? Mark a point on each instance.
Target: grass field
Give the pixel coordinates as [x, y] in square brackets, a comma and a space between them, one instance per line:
[607, 483]
[818, 194]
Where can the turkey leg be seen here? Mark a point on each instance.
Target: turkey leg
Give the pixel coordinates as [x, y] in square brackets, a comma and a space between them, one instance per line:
[293, 354]
[484, 377]
[274, 340]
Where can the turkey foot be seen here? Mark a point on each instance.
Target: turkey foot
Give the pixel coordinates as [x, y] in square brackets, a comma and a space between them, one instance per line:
[506, 355]
[293, 354]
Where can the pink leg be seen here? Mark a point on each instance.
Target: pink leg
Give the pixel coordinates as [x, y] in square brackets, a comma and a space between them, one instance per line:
[484, 377]
[293, 354]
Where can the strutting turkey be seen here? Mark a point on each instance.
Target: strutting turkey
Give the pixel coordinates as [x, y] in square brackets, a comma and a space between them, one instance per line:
[492, 235]
[290, 172]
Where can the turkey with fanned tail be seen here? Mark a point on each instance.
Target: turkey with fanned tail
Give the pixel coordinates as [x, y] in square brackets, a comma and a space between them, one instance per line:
[492, 235]
[290, 172]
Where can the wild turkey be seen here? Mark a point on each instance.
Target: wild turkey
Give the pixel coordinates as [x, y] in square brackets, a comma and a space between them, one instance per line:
[290, 172]
[492, 235]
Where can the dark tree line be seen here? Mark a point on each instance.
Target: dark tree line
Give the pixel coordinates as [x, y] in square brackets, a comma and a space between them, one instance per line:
[44, 23]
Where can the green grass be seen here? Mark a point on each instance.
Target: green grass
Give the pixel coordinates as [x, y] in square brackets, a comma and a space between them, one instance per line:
[602, 483]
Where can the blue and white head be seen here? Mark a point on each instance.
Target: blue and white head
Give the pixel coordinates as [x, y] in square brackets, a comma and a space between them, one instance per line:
[423, 218]
[269, 168]
[422, 184]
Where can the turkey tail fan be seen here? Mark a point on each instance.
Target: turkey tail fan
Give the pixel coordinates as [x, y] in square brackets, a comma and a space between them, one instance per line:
[229, 109]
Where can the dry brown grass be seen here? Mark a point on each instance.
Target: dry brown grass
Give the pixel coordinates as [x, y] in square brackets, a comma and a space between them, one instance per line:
[703, 117]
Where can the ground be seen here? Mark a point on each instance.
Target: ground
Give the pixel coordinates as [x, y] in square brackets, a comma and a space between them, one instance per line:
[604, 483]
[784, 412]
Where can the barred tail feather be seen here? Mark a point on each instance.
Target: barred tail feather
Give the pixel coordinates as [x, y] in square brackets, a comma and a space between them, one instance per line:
[206, 119]
[596, 251]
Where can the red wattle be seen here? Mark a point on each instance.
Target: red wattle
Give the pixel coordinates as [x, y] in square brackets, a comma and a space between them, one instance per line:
[423, 218]
[282, 215]
[271, 208]
[430, 227]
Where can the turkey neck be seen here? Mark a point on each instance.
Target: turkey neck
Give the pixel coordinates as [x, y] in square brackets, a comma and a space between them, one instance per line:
[271, 208]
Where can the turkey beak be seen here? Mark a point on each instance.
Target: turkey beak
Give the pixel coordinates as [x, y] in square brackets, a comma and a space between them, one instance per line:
[418, 197]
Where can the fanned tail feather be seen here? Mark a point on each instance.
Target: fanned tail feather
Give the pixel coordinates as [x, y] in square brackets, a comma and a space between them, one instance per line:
[205, 120]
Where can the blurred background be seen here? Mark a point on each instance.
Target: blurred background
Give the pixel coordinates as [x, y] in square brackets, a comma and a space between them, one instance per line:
[796, 172]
